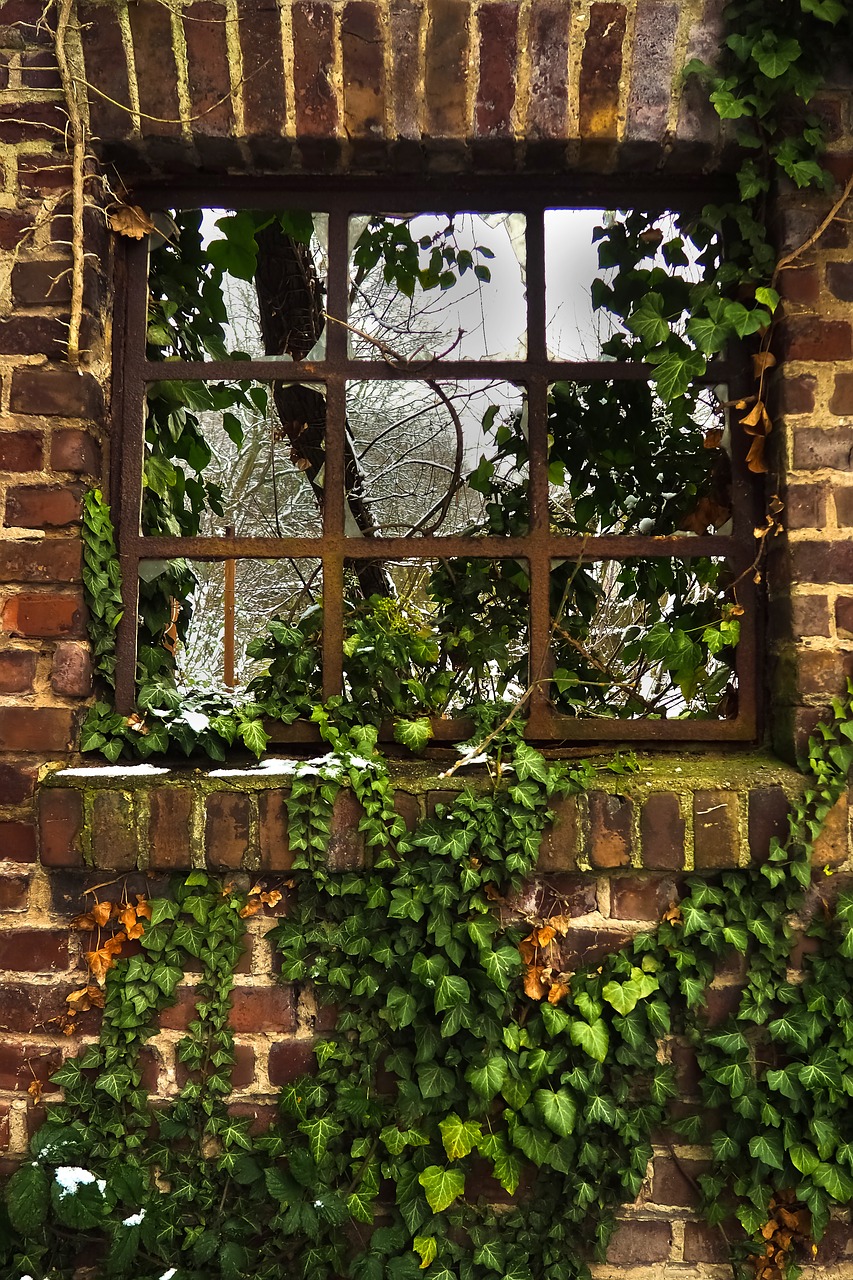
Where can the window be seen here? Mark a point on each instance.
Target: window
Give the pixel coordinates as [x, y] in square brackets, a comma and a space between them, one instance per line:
[395, 450]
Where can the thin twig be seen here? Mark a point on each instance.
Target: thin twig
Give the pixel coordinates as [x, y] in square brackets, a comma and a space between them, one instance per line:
[68, 12]
[490, 737]
[816, 234]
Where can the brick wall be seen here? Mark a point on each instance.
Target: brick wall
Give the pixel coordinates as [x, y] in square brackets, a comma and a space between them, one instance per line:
[591, 89]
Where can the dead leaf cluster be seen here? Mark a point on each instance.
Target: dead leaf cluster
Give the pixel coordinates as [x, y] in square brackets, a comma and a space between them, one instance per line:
[788, 1228]
[260, 898]
[543, 977]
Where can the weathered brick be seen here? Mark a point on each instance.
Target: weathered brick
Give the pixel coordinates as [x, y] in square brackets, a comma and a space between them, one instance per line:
[43, 506]
[264, 88]
[170, 827]
[832, 846]
[816, 447]
[704, 1243]
[14, 893]
[47, 616]
[47, 560]
[651, 69]
[609, 837]
[276, 854]
[768, 809]
[114, 842]
[715, 829]
[800, 285]
[34, 950]
[583, 947]
[558, 850]
[364, 70]
[601, 68]
[17, 842]
[822, 561]
[31, 121]
[793, 395]
[226, 833]
[822, 672]
[155, 68]
[106, 66]
[498, 68]
[446, 68]
[641, 897]
[60, 827]
[809, 616]
[405, 69]
[21, 450]
[636, 1241]
[32, 335]
[290, 1059]
[805, 506]
[313, 34]
[12, 228]
[17, 669]
[549, 70]
[844, 504]
[71, 670]
[662, 832]
[844, 617]
[56, 393]
[263, 1009]
[74, 450]
[841, 400]
[25, 1005]
[22, 1061]
[839, 278]
[38, 174]
[674, 1184]
[345, 851]
[17, 783]
[205, 32]
[41, 283]
[36, 729]
[804, 338]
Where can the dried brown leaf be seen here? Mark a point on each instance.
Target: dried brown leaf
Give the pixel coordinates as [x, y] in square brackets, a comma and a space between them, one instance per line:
[131, 220]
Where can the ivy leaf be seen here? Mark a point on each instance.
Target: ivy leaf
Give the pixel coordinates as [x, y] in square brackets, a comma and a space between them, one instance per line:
[823, 1072]
[254, 736]
[400, 1008]
[441, 1186]
[767, 1147]
[451, 992]
[674, 373]
[835, 1181]
[557, 1109]
[414, 734]
[458, 1136]
[648, 322]
[593, 1039]
[27, 1195]
[320, 1133]
[774, 56]
[426, 1248]
[804, 1159]
[502, 965]
[488, 1080]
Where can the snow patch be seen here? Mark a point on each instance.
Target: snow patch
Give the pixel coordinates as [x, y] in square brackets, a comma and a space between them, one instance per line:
[113, 771]
[134, 1220]
[70, 1179]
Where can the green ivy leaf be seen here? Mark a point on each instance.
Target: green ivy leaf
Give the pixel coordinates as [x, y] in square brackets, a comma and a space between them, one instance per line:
[441, 1186]
[557, 1109]
[27, 1198]
[451, 992]
[459, 1137]
[488, 1080]
[593, 1039]
[767, 1147]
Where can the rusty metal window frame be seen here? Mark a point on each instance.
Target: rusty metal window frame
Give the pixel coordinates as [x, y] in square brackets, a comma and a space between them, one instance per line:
[340, 201]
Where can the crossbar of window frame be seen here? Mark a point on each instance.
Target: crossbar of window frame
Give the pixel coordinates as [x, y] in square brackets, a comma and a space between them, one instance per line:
[134, 373]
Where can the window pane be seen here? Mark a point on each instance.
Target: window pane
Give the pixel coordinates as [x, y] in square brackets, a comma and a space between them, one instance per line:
[437, 284]
[651, 638]
[436, 458]
[620, 462]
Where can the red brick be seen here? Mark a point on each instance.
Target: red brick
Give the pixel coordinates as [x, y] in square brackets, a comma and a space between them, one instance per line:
[582, 948]
[261, 1116]
[313, 39]
[836, 1245]
[263, 1009]
[17, 783]
[794, 395]
[226, 833]
[641, 897]
[21, 1063]
[169, 831]
[446, 70]
[272, 831]
[27, 1006]
[809, 616]
[14, 893]
[637, 1241]
[4, 1125]
[832, 846]
[42, 173]
[549, 67]
[670, 1186]
[34, 950]
[722, 1003]
[703, 1243]
[43, 506]
[498, 70]
[800, 285]
[844, 504]
[405, 69]
[242, 1073]
[822, 672]
[39, 71]
[839, 278]
[813, 339]
[71, 671]
[32, 335]
[290, 1059]
[558, 850]
[844, 617]
[48, 616]
[409, 808]
[12, 227]
[841, 401]
[60, 825]
[601, 68]
[178, 1016]
[17, 842]
[715, 829]
[822, 561]
[687, 1071]
[609, 841]
[207, 64]
[47, 560]
[17, 669]
[264, 89]
[31, 121]
[74, 450]
[364, 70]
[36, 729]
[345, 850]
[651, 64]
[56, 393]
[106, 66]
[156, 70]
[21, 451]
[816, 447]
[114, 841]
[662, 832]
[41, 283]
